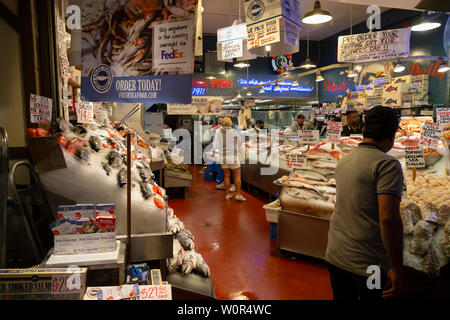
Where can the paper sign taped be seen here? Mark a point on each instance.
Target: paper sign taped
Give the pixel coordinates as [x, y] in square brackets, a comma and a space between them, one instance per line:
[414, 157]
[431, 133]
[309, 136]
[334, 131]
[40, 109]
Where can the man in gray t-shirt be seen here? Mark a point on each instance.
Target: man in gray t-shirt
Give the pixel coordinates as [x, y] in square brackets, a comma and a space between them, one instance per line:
[366, 228]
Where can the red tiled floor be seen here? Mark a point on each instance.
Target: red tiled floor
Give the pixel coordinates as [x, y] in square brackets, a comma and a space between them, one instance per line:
[233, 238]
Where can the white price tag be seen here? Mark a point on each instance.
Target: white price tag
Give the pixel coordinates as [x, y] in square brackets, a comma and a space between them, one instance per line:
[334, 131]
[159, 292]
[414, 157]
[309, 136]
[430, 136]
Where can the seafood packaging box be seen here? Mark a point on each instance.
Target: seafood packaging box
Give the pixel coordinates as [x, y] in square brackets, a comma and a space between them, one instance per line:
[357, 94]
[85, 211]
[41, 284]
[380, 82]
[374, 100]
[392, 100]
[84, 243]
[395, 88]
[108, 209]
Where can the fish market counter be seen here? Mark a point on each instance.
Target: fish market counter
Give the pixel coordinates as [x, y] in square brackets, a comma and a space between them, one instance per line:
[251, 174]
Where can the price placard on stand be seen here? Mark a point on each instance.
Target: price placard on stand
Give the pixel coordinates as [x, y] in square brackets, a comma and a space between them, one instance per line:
[431, 133]
[160, 292]
[295, 160]
[85, 112]
[40, 109]
[414, 157]
[309, 136]
[443, 116]
[334, 131]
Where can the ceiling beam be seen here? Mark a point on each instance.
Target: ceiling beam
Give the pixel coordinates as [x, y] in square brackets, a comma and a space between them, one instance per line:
[9, 17]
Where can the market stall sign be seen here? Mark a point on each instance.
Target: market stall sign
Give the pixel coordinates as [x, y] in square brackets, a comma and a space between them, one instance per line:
[431, 134]
[285, 86]
[232, 49]
[134, 67]
[265, 20]
[414, 157]
[199, 105]
[40, 109]
[309, 136]
[334, 131]
[443, 115]
[372, 46]
[295, 160]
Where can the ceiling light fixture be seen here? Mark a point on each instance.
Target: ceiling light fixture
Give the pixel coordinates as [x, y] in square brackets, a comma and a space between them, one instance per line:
[277, 87]
[261, 90]
[425, 24]
[308, 64]
[210, 77]
[352, 74]
[443, 67]
[399, 68]
[241, 65]
[249, 93]
[317, 15]
[268, 48]
[239, 95]
[319, 77]
[295, 83]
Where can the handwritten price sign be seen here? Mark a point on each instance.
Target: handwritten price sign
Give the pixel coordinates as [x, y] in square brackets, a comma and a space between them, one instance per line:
[85, 112]
[160, 292]
[309, 136]
[295, 160]
[431, 133]
[40, 109]
[414, 157]
[66, 283]
[334, 131]
[443, 115]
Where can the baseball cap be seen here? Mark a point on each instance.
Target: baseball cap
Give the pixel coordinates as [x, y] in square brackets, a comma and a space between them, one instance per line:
[300, 116]
[381, 122]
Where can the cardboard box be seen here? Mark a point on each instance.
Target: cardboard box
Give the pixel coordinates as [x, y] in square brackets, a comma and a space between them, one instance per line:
[66, 212]
[108, 209]
[392, 100]
[76, 75]
[42, 284]
[360, 104]
[373, 101]
[85, 243]
[380, 82]
[395, 88]
[357, 94]
[85, 211]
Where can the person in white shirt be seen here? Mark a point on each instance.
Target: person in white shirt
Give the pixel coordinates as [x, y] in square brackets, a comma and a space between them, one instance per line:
[229, 145]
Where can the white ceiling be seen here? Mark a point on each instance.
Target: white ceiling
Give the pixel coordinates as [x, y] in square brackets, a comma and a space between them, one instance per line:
[398, 4]
[221, 13]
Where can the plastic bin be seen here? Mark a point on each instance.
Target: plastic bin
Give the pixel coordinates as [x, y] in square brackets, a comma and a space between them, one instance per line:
[272, 211]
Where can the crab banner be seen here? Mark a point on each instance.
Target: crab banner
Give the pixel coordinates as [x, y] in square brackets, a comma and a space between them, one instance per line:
[138, 50]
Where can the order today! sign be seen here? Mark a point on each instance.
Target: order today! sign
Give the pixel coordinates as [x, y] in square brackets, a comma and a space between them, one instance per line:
[153, 62]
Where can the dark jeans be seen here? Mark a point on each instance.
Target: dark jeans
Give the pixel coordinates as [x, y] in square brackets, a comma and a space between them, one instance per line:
[348, 286]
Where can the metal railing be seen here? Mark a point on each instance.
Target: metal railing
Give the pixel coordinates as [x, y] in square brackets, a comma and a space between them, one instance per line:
[4, 168]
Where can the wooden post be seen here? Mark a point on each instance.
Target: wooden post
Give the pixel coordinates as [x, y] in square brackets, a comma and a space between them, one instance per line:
[414, 171]
[128, 196]
[332, 146]
[309, 146]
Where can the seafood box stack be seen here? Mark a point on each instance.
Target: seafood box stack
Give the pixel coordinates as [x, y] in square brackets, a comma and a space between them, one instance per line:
[426, 222]
[96, 158]
[312, 189]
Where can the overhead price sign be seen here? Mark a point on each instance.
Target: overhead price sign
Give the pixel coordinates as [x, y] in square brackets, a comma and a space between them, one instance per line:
[268, 19]
[372, 46]
[230, 42]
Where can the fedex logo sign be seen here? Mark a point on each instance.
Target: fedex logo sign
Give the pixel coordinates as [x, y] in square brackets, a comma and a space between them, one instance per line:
[175, 54]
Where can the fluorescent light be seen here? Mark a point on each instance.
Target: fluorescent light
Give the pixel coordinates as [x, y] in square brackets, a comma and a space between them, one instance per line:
[443, 68]
[241, 65]
[268, 48]
[319, 77]
[249, 93]
[399, 68]
[210, 77]
[295, 83]
[308, 64]
[317, 15]
[261, 90]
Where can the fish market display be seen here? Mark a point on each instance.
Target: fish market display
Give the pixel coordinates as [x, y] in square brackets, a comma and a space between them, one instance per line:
[419, 190]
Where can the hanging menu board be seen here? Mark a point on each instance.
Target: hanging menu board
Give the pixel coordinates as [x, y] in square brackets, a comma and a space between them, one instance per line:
[414, 157]
[372, 46]
[334, 131]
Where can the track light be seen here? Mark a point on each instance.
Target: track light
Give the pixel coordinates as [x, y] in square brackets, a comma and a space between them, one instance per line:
[239, 95]
[319, 77]
[249, 93]
[352, 74]
[317, 15]
[295, 83]
[443, 68]
[241, 65]
[307, 64]
[261, 90]
[277, 87]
